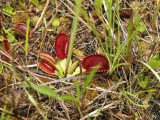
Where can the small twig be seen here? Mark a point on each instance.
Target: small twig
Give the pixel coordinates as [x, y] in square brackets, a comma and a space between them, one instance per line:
[68, 87]
[66, 109]
[27, 66]
[153, 50]
[65, 79]
[103, 108]
[53, 16]
[150, 17]
[44, 10]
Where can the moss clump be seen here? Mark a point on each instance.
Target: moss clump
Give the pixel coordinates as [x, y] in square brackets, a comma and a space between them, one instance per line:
[20, 17]
[35, 20]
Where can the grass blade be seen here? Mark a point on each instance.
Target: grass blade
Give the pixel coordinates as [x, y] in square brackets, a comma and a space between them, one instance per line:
[88, 79]
[27, 33]
[45, 90]
[74, 28]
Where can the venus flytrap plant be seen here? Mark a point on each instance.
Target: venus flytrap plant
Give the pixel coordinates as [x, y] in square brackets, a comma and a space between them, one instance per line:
[61, 46]
[58, 67]
[90, 62]
[20, 29]
[48, 62]
[51, 65]
[61, 50]
[9, 36]
[5, 43]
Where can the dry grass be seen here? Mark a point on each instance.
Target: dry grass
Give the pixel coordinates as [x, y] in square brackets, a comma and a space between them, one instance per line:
[109, 96]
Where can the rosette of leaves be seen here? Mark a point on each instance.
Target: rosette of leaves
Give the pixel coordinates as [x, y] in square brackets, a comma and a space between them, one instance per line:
[51, 65]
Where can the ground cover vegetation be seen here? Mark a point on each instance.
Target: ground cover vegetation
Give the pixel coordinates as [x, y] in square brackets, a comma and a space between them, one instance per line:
[79, 60]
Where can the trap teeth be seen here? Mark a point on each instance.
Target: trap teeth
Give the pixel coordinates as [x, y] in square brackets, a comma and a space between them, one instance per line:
[61, 46]
[91, 61]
